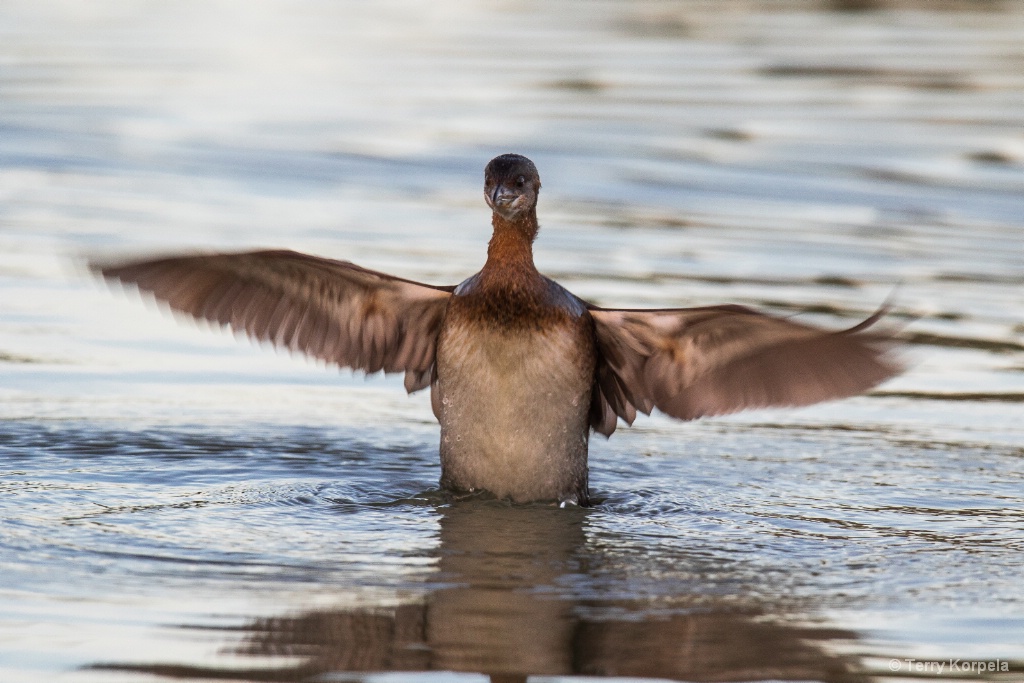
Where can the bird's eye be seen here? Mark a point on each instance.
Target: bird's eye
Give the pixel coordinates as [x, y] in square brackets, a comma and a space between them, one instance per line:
[520, 181]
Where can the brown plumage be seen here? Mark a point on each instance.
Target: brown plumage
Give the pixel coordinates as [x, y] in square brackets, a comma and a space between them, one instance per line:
[520, 369]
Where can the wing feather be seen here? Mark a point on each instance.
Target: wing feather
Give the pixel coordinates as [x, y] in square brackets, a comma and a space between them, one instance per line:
[695, 362]
[332, 310]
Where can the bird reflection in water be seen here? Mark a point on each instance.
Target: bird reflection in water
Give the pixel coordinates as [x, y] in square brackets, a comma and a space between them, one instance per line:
[512, 600]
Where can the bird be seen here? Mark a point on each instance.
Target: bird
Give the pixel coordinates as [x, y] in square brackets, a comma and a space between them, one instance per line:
[520, 369]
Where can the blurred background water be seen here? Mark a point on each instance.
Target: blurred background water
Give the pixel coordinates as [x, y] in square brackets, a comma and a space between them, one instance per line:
[179, 505]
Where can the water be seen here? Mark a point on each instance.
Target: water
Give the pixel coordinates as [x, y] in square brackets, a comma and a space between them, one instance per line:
[176, 504]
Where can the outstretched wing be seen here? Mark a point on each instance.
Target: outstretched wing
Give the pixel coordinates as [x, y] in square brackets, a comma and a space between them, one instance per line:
[694, 362]
[327, 309]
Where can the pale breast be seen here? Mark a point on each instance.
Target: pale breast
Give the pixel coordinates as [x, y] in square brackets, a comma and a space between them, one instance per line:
[513, 404]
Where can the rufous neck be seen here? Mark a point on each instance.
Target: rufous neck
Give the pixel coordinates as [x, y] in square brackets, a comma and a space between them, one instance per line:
[511, 247]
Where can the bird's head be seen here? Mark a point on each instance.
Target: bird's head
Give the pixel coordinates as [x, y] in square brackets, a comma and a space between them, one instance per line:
[511, 186]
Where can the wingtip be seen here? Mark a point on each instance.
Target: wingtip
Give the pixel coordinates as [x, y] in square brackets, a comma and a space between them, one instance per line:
[105, 266]
[885, 311]
[84, 263]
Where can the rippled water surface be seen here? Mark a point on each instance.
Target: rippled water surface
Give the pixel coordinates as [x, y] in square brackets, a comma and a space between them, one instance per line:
[176, 504]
